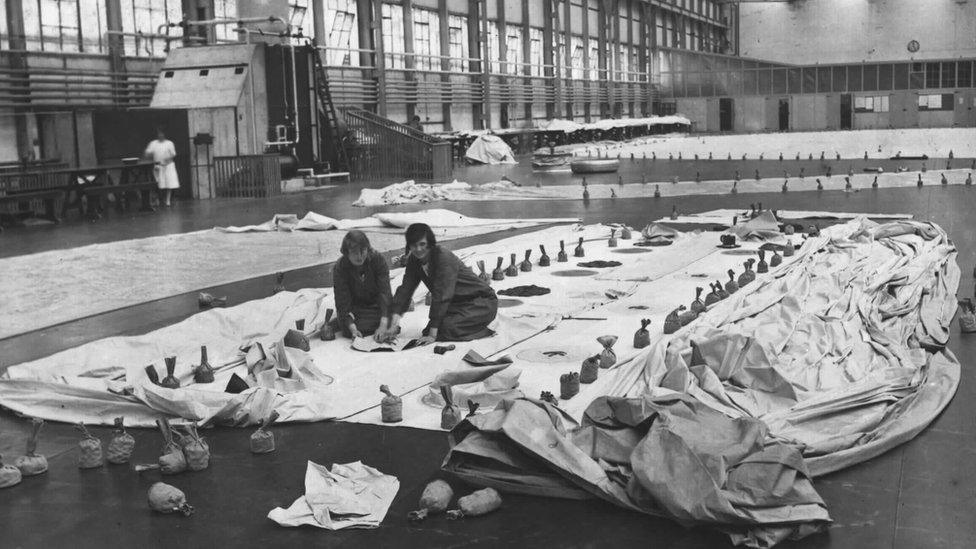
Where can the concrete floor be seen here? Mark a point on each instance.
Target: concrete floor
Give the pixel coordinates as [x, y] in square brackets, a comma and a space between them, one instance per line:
[920, 494]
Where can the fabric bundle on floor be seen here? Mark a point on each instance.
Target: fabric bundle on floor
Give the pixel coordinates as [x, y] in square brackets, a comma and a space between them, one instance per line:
[350, 495]
[833, 359]
[490, 149]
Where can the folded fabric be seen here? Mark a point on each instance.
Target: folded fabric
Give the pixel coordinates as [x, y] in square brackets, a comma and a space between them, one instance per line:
[370, 345]
[351, 495]
[764, 226]
[473, 358]
[654, 231]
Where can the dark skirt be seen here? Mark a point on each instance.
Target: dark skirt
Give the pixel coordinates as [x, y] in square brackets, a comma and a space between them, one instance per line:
[367, 319]
[469, 319]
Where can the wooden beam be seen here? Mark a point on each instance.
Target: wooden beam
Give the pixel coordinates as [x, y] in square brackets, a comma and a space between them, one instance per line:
[18, 60]
[502, 25]
[550, 14]
[410, 62]
[568, 34]
[590, 84]
[485, 65]
[476, 51]
[444, 29]
[527, 58]
[375, 30]
[603, 75]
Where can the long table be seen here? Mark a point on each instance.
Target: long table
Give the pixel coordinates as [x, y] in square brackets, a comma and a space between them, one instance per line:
[84, 188]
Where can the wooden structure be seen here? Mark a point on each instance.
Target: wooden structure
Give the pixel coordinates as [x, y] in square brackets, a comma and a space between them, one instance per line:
[250, 176]
[380, 149]
[222, 90]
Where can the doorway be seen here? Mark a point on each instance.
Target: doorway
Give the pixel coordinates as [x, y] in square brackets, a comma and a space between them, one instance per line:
[784, 115]
[846, 112]
[725, 114]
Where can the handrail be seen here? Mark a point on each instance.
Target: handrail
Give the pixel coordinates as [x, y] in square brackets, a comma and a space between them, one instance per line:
[396, 126]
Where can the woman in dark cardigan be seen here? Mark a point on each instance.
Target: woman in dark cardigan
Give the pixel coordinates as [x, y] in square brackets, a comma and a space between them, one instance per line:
[361, 280]
[462, 305]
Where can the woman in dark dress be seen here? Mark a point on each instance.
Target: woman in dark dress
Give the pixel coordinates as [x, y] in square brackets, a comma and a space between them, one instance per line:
[361, 280]
[462, 305]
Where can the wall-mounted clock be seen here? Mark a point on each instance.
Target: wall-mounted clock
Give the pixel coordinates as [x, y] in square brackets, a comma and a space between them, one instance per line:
[913, 46]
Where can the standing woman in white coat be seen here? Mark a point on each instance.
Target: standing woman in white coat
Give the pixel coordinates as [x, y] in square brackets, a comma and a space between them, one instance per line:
[163, 152]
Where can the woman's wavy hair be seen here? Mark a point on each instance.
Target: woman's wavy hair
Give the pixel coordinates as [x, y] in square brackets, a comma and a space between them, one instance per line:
[354, 239]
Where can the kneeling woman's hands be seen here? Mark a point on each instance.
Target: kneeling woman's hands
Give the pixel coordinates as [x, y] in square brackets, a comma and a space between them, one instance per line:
[387, 331]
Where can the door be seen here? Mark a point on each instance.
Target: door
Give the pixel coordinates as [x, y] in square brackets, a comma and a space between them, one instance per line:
[784, 115]
[725, 114]
[846, 112]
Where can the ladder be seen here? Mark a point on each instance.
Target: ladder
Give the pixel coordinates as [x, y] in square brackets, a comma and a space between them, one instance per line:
[329, 119]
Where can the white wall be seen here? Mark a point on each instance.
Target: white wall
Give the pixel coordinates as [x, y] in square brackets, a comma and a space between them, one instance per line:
[846, 31]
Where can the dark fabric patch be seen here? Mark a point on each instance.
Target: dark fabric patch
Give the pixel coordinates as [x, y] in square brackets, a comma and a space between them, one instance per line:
[654, 243]
[574, 272]
[631, 251]
[505, 303]
[739, 252]
[525, 291]
[600, 264]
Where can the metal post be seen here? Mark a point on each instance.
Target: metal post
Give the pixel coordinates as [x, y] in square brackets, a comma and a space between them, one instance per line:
[445, 33]
[318, 23]
[410, 61]
[18, 61]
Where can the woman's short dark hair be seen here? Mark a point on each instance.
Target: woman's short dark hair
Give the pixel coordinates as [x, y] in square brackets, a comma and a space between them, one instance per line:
[354, 239]
[419, 231]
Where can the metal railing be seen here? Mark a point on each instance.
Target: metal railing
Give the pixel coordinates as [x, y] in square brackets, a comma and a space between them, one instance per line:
[380, 149]
[812, 79]
[45, 87]
[250, 176]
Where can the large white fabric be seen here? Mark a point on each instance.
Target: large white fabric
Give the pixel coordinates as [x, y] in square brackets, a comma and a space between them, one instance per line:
[845, 274]
[436, 218]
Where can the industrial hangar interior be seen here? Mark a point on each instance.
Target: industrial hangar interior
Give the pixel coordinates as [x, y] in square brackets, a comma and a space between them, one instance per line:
[485, 273]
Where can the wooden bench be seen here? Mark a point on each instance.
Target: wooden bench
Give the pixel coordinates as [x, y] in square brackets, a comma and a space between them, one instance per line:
[50, 197]
[318, 177]
[95, 197]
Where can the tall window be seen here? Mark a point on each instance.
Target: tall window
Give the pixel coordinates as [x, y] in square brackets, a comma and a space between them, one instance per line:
[225, 9]
[3, 26]
[457, 35]
[300, 18]
[146, 17]
[514, 55]
[340, 23]
[393, 43]
[494, 53]
[62, 25]
[577, 59]
[536, 55]
[54, 25]
[594, 61]
[426, 39]
[635, 66]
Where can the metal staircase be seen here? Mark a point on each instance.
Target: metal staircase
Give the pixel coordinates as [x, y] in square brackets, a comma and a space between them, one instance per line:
[331, 132]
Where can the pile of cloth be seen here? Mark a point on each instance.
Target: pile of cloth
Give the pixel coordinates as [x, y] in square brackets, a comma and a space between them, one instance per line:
[490, 149]
[407, 192]
[835, 358]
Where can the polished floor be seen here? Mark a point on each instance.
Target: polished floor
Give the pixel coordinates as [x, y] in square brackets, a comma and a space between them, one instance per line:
[919, 495]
